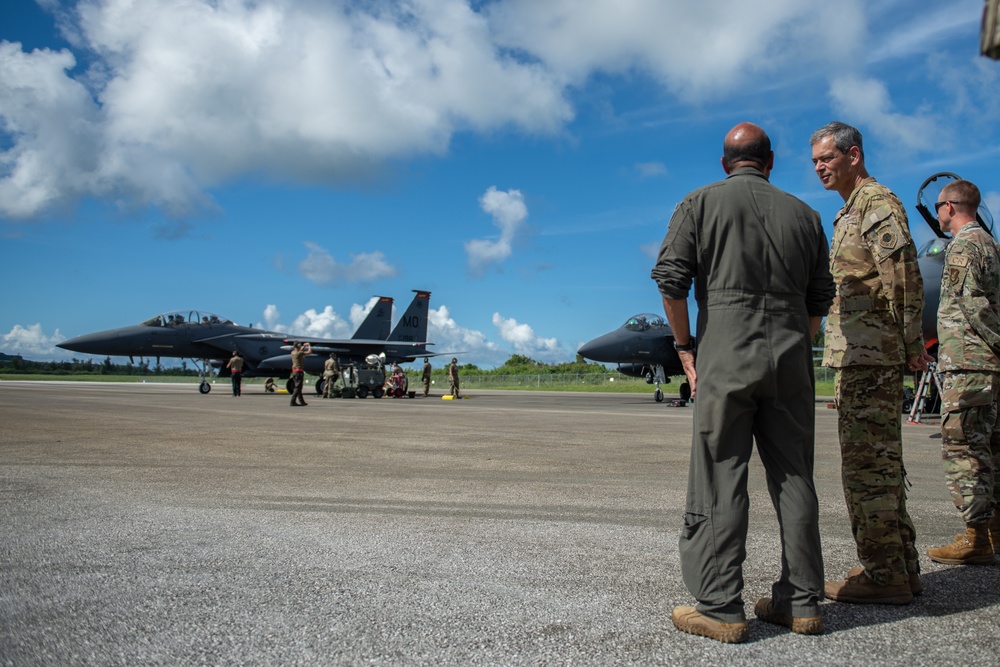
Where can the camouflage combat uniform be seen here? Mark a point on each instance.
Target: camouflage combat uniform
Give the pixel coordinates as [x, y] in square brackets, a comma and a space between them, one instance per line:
[758, 260]
[872, 328]
[331, 373]
[969, 330]
[426, 378]
[453, 378]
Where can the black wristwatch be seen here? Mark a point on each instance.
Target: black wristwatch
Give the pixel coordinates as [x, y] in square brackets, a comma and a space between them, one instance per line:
[686, 347]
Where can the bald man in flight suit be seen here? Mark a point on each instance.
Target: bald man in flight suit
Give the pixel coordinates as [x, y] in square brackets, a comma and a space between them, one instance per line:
[758, 258]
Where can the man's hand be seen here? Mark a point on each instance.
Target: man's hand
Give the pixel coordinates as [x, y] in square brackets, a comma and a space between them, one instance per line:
[919, 362]
[687, 363]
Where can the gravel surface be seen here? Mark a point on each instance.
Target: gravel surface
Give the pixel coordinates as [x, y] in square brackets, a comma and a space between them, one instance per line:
[150, 525]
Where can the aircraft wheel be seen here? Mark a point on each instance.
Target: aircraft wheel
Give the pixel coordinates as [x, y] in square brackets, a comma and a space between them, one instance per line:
[204, 387]
[377, 392]
[290, 386]
[658, 395]
[685, 392]
[362, 392]
[319, 386]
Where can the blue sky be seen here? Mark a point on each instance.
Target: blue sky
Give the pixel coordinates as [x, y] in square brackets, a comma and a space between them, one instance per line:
[279, 162]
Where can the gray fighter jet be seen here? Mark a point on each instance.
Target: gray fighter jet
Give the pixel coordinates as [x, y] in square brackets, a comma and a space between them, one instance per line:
[209, 341]
[642, 347]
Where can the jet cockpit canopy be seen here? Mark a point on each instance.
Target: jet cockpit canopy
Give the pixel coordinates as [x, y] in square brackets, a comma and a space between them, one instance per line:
[184, 317]
[643, 322]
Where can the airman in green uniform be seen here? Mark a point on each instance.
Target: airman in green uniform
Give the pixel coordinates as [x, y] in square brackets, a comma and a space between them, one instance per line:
[758, 258]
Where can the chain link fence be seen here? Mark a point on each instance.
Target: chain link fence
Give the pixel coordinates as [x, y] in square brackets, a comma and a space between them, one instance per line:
[546, 380]
[608, 380]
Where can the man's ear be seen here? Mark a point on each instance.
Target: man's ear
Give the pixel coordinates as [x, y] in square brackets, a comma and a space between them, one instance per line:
[725, 167]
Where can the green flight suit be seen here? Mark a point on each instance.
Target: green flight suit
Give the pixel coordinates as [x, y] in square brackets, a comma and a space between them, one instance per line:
[759, 261]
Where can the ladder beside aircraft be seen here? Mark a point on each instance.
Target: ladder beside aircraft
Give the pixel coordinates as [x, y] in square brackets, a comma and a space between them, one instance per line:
[924, 390]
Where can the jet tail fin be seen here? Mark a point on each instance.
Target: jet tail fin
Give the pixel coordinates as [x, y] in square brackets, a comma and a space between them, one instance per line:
[376, 325]
[412, 326]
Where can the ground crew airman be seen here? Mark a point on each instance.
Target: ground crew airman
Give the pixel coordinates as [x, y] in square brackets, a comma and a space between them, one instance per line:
[873, 333]
[426, 376]
[235, 366]
[969, 359]
[299, 352]
[453, 378]
[331, 374]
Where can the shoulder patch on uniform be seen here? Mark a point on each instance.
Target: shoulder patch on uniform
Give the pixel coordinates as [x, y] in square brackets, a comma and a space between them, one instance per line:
[887, 238]
[875, 216]
[958, 260]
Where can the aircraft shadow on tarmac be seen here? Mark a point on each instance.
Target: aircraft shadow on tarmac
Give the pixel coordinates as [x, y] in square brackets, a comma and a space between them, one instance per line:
[953, 590]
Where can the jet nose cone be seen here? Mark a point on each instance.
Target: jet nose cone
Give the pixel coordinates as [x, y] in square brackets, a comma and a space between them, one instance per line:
[602, 348]
[88, 344]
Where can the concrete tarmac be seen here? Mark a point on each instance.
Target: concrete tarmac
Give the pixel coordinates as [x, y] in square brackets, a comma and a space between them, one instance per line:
[146, 524]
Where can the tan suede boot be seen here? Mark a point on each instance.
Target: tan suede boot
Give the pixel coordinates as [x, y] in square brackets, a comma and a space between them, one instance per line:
[970, 548]
[995, 531]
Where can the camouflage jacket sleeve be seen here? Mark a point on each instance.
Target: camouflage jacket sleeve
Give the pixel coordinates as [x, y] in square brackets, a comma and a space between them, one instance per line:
[969, 316]
[677, 263]
[887, 234]
[875, 319]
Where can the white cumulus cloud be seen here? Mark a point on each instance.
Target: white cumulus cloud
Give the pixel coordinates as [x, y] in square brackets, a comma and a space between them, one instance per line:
[524, 340]
[325, 323]
[448, 336]
[31, 342]
[182, 95]
[321, 268]
[157, 102]
[509, 213]
[867, 102]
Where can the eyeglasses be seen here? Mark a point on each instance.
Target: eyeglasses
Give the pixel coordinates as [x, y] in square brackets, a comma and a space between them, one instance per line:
[938, 205]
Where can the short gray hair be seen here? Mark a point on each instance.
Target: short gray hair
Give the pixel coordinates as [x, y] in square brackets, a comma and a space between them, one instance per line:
[844, 136]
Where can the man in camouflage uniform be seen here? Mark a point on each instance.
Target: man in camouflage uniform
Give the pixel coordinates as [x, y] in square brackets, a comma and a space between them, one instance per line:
[426, 376]
[873, 332]
[456, 391]
[969, 331]
[331, 374]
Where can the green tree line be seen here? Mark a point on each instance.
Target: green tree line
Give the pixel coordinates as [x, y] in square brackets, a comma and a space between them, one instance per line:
[18, 365]
[517, 364]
